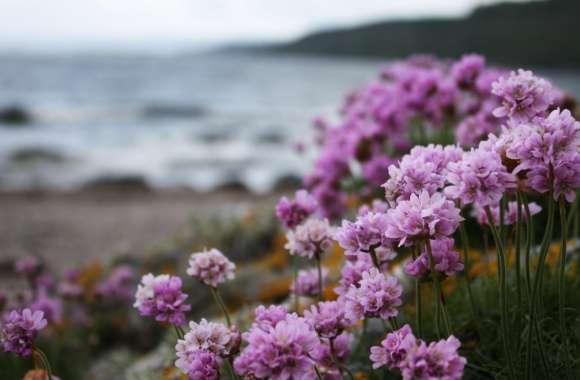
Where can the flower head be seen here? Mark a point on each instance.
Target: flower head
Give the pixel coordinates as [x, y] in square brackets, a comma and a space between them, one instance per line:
[328, 319]
[546, 151]
[393, 349]
[210, 337]
[422, 217]
[416, 360]
[119, 284]
[307, 284]
[280, 353]
[293, 212]
[511, 214]
[161, 297]
[267, 317]
[198, 365]
[211, 267]
[29, 266]
[378, 296]
[51, 307]
[523, 95]
[19, 330]
[446, 260]
[365, 234]
[466, 71]
[480, 177]
[310, 239]
[423, 169]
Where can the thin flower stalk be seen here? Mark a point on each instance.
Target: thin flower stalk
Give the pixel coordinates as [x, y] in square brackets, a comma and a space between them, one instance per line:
[502, 292]
[465, 246]
[220, 302]
[441, 309]
[561, 277]
[534, 324]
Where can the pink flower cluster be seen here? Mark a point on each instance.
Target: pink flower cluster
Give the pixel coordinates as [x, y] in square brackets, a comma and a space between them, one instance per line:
[402, 351]
[423, 169]
[366, 234]
[479, 177]
[446, 261]
[306, 283]
[423, 216]
[161, 297]
[200, 352]
[523, 95]
[279, 352]
[511, 214]
[377, 296]
[293, 212]
[328, 319]
[417, 94]
[546, 152]
[310, 239]
[19, 330]
[211, 267]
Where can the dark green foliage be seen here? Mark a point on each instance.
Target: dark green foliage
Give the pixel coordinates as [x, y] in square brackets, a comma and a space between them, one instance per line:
[541, 33]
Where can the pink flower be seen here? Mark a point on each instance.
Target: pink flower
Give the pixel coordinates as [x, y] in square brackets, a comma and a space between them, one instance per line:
[310, 239]
[422, 217]
[480, 177]
[523, 95]
[546, 151]
[378, 296]
[210, 337]
[423, 169]
[292, 212]
[161, 297]
[328, 319]
[269, 317]
[211, 267]
[307, 284]
[446, 260]
[417, 360]
[466, 71]
[19, 330]
[282, 352]
[365, 234]
[393, 349]
[511, 214]
[199, 365]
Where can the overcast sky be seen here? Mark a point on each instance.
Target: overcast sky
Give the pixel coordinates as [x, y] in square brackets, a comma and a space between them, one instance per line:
[89, 24]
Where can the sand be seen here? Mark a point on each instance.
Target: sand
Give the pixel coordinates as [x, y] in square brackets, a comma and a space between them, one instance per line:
[76, 228]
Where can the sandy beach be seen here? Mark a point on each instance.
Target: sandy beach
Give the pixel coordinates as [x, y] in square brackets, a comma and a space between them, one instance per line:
[77, 228]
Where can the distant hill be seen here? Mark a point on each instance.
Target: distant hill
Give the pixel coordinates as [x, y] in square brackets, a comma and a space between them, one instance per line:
[542, 33]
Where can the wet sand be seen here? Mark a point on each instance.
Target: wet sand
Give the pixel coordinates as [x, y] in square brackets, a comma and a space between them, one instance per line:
[77, 228]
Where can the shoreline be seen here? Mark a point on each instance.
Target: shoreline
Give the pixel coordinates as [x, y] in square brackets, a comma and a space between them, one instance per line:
[76, 228]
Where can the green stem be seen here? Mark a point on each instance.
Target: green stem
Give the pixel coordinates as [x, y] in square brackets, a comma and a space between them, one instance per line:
[295, 270]
[530, 239]
[320, 286]
[318, 375]
[561, 277]
[342, 368]
[375, 258]
[502, 291]
[517, 253]
[230, 369]
[534, 325]
[45, 362]
[218, 299]
[418, 312]
[179, 332]
[502, 226]
[440, 308]
[465, 245]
